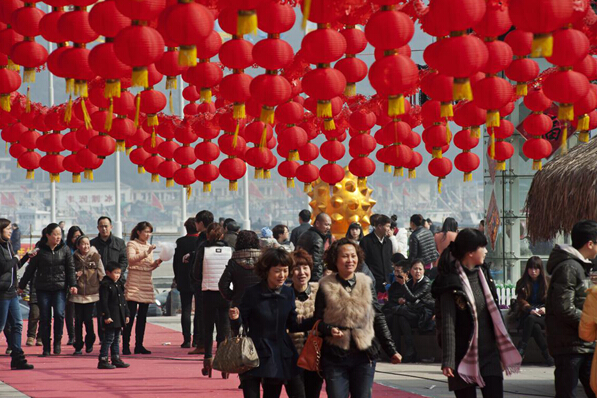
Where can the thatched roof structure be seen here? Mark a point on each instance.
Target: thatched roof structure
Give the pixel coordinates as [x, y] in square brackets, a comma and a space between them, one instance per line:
[564, 192]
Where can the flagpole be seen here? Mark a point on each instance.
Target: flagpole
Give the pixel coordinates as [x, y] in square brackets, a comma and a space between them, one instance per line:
[247, 220]
[183, 191]
[51, 94]
[117, 204]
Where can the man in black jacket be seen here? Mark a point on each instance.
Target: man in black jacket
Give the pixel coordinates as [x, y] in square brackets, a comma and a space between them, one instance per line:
[421, 244]
[313, 241]
[182, 275]
[304, 219]
[568, 267]
[378, 252]
[110, 248]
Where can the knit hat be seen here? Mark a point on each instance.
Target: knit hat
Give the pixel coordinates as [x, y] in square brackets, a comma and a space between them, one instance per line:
[266, 233]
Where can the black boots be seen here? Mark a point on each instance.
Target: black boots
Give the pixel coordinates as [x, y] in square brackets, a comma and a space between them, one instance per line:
[522, 347]
[141, 350]
[117, 362]
[548, 358]
[19, 362]
[57, 348]
[104, 364]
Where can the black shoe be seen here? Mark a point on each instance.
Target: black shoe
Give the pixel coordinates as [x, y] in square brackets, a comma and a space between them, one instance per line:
[522, 347]
[195, 344]
[57, 349]
[142, 350]
[89, 349]
[186, 344]
[45, 353]
[126, 350]
[104, 364]
[78, 352]
[20, 363]
[70, 341]
[409, 358]
[117, 362]
[548, 358]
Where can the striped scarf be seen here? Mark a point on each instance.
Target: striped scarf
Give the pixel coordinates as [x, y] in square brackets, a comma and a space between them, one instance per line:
[468, 369]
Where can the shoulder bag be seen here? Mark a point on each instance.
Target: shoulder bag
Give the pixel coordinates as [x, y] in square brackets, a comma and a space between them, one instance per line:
[311, 353]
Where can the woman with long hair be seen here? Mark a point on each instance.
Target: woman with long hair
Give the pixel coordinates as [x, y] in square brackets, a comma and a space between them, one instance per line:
[138, 290]
[72, 235]
[466, 301]
[69, 311]
[531, 291]
[55, 268]
[446, 235]
[212, 257]
[355, 232]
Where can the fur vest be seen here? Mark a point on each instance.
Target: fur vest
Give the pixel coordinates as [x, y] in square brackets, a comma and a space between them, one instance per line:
[351, 311]
[304, 310]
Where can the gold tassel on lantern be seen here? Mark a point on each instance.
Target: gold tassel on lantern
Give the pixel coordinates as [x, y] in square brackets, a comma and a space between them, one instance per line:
[120, 146]
[140, 170]
[350, 90]
[5, 102]
[129, 150]
[112, 89]
[500, 166]
[324, 109]
[140, 77]
[307, 186]
[542, 45]
[70, 85]
[439, 185]
[306, 12]
[12, 66]
[152, 120]
[521, 89]
[28, 102]
[137, 109]
[446, 109]
[412, 173]
[475, 132]
[462, 90]
[329, 124]
[29, 75]
[583, 123]
[86, 174]
[108, 124]
[233, 185]
[437, 153]
[566, 112]
[30, 174]
[387, 168]
[537, 164]
[207, 187]
[76, 178]
[169, 182]
[565, 139]
[86, 117]
[246, 22]
[171, 83]
[492, 145]
[238, 111]
[583, 136]
[293, 155]
[235, 137]
[189, 191]
[187, 56]
[81, 88]
[493, 119]
[263, 140]
[90, 175]
[68, 112]
[290, 183]
[155, 177]
[396, 105]
[153, 138]
[267, 174]
[398, 172]
[267, 115]
[171, 103]
[206, 95]
[468, 177]
[258, 174]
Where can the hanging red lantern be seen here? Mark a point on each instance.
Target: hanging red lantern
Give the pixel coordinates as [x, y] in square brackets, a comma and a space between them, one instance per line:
[570, 46]
[503, 151]
[492, 94]
[29, 161]
[468, 114]
[467, 162]
[537, 149]
[582, 108]
[233, 169]
[537, 101]
[391, 77]
[207, 173]
[152, 165]
[89, 161]
[139, 46]
[440, 168]
[588, 67]
[139, 156]
[185, 176]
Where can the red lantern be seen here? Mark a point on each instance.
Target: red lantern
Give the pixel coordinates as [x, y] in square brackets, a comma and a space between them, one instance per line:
[537, 149]
[414, 162]
[233, 169]
[89, 161]
[29, 161]
[139, 46]
[206, 173]
[537, 101]
[139, 156]
[522, 71]
[467, 162]
[570, 46]
[492, 94]
[440, 168]
[391, 77]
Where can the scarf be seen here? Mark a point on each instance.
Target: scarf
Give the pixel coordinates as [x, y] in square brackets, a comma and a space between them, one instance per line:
[468, 369]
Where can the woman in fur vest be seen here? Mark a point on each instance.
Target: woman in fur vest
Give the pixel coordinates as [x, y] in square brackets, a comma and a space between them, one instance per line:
[353, 326]
[466, 301]
[90, 271]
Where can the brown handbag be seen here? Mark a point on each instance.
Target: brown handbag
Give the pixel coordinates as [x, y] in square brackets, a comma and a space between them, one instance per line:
[236, 355]
[311, 353]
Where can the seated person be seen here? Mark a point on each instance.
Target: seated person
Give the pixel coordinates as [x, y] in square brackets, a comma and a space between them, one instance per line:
[395, 291]
[415, 308]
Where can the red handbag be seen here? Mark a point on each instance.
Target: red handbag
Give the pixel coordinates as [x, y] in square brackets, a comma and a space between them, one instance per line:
[311, 353]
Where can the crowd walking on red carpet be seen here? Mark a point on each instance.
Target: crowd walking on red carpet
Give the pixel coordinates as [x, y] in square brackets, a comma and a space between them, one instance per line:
[313, 308]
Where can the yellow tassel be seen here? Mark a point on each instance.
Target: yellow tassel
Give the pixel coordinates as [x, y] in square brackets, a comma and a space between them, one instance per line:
[108, 124]
[140, 77]
[306, 11]
[267, 174]
[120, 146]
[493, 119]
[566, 112]
[350, 90]
[398, 172]
[187, 56]
[290, 183]
[329, 124]
[263, 140]
[500, 166]
[258, 173]
[267, 115]
[293, 155]
[448, 133]
[56, 177]
[171, 103]
[235, 138]
[90, 175]
[537, 165]
[155, 177]
[112, 89]
[189, 191]
[140, 170]
[137, 109]
[29, 75]
[233, 185]
[238, 111]
[12, 66]
[81, 88]
[564, 139]
[412, 173]
[30, 174]
[5, 102]
[207, 187]
[169, 182]
[171, 83]
[446, 109]
[68, 112]
[387, 168]
[324, 109]
[468, 177]
[475, 132]
[307, 186]
[206, 95]
[542, 45]
[246, 22]
[86, 174]
[492, 146]
[439, 185]
[462, 90]
[76, 178]
[18, 165]
[152, 120]
[70, 85]
[521, 89]
[437, 153]
[396, 105]
[584, 136]
[129, 150]
[28, 102]
[583, 123]
[86, 117]
[153, 138]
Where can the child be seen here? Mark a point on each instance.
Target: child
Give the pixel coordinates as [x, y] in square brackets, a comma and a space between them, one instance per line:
[115, 314]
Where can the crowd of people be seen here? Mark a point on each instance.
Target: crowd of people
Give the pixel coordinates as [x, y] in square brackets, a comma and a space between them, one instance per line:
[367, 294]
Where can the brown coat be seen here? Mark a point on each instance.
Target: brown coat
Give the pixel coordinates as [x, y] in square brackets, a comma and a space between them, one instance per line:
[88, 283]
[139, 284]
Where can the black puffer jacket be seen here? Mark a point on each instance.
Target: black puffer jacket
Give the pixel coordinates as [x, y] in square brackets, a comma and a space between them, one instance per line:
[565, 298]
[240, 273]
[9, 265]
[314, 243]
[421, 245]
[419, 294]
[55, 269]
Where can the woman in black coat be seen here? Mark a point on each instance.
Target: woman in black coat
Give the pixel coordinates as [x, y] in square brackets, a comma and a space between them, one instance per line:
[267, 312]
[10, 310]
[55, 274]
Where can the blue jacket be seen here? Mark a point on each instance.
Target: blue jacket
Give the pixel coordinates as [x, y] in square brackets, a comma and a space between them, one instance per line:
[266, 316]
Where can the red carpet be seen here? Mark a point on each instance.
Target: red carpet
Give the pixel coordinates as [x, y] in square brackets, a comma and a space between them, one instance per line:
[168, 371]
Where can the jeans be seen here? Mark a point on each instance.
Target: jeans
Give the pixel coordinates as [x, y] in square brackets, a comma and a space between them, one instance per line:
[215, 312]
[48, 301]
[494, 388]
[139, 324]
[84, 315]
[570, 368]
[307, 384]
[352, 375]
[11, 307]
[532, 327]
[186, 301]
[69, 318]
[33, 320]
[110, 342]
[272, 388]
